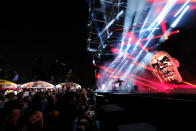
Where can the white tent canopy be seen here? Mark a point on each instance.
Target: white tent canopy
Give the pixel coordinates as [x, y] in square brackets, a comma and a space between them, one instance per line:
[37, 84]
[69, 84]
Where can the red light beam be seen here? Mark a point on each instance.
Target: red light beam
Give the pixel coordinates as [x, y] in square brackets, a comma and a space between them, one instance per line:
[163, 27]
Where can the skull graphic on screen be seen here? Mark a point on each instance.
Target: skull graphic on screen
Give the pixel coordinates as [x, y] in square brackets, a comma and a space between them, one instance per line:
[165, 68]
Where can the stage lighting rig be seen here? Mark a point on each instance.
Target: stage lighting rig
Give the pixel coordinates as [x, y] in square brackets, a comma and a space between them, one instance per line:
[105, 17]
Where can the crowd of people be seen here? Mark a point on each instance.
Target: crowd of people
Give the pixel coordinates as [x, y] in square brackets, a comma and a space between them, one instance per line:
[31, 109]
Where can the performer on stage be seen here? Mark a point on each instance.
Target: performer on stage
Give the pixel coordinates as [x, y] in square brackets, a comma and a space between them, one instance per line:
[119, 82]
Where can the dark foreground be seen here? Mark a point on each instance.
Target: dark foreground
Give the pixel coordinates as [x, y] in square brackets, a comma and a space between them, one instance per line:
[146, 112]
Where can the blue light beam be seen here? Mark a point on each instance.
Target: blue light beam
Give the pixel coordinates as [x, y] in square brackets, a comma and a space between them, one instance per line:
[182, 8]
[111, 22]
[179, 17]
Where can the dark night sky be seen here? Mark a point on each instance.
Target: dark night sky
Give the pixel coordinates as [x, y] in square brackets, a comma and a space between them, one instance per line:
[57, 29]
[47, 30]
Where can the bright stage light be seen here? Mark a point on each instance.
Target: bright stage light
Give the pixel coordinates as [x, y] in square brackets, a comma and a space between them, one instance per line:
[150, 38]
[111, 22]
[119, 14]
[146, 20]
[169, 5]
[135, 47]
[128, 45]
[182, 8]
[179, 17]
[153, 26]
[144, 26]
[121, 47]
[97, 29]
[132, 16]
[109, 35]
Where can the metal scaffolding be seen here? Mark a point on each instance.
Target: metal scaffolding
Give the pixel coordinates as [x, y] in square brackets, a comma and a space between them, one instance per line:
[103, 22]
